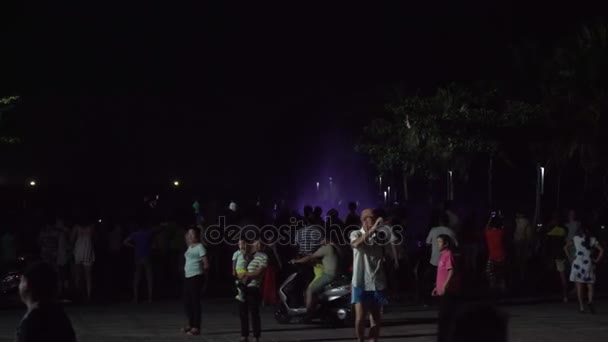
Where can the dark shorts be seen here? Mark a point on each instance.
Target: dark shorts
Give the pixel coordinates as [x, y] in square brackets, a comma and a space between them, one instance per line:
[371, 297]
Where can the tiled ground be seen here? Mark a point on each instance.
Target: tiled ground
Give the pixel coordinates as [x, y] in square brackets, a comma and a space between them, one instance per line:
[161, 322]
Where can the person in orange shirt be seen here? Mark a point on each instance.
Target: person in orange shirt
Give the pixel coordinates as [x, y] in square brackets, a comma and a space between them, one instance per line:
[495, 267]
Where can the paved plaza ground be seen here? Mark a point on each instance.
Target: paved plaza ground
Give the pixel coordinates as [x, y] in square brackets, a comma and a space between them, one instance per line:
[161, 322]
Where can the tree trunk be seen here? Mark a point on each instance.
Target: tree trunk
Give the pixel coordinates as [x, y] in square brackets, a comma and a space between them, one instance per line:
[490, 173]
[405, 191]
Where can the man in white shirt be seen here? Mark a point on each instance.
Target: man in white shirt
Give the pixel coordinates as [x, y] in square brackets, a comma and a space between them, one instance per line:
[369, 278]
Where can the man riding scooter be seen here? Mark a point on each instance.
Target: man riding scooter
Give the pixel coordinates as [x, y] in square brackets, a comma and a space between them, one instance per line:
[329, 258]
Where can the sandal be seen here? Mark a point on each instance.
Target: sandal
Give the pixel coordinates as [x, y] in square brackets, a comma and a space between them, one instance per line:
[193, 332]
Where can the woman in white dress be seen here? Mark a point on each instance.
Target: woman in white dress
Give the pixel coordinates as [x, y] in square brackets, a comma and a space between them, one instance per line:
[583, 267]
[84, 256]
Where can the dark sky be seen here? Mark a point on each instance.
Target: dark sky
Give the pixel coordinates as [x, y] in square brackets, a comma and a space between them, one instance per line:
[221, 92]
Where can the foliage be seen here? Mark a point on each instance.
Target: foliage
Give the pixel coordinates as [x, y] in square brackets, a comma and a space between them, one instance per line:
[429, 135]
[6, 105]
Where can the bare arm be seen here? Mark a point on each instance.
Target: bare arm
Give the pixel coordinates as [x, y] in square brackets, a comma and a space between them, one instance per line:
[205, 262]
[366, 234]
[599, 257]
[567, 249]
[361, 239]
[129, 243]
[304, 260]
[395, 255]
[447, 281]
[234, 268]
[256, 273]
[276, 255]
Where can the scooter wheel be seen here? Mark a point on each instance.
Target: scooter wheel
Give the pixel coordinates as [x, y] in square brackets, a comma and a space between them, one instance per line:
[346, 322]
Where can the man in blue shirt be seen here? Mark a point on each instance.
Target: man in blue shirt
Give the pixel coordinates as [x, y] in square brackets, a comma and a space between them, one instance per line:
[141, 240]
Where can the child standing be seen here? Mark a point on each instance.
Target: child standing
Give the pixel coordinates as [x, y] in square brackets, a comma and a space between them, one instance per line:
[240, 261]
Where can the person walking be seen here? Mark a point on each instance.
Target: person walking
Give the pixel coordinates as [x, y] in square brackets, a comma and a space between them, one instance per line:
[582, 272]
[369, 277]
[250, 307]
[196, 266]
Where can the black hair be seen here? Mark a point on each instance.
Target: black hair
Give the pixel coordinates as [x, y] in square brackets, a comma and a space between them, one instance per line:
[379, 212]
[42, 281]
[586, 234]
[496, 221]
[444, 220]
[352, 206]
[447, 240]
[197, 232]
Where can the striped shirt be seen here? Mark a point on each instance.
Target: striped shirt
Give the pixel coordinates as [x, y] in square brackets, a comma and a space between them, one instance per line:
[309, 239]
[259, 260]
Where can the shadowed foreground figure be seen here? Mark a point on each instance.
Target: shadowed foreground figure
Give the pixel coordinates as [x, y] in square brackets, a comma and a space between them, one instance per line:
[478, 323]
[45, 319]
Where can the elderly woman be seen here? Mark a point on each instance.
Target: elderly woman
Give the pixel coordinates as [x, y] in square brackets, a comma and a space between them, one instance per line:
[251, 304]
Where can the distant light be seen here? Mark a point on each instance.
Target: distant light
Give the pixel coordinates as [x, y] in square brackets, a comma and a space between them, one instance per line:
[33, 183]
[175, 183]
[100, 221]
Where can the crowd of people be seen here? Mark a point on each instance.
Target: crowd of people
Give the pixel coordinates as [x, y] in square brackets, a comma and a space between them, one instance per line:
[443, 268]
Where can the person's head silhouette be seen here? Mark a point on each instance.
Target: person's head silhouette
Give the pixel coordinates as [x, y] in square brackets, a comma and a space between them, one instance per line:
[38, 284]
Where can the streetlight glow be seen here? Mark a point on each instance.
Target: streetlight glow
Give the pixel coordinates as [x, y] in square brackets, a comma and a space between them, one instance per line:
[32, 183]
[542, 180]
[176, 183]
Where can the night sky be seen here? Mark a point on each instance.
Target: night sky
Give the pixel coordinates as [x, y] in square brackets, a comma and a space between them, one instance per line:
[243, 95]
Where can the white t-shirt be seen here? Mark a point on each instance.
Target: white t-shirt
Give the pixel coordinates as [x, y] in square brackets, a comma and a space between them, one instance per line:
[194, 255]
[432, 240]
[368, 268]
